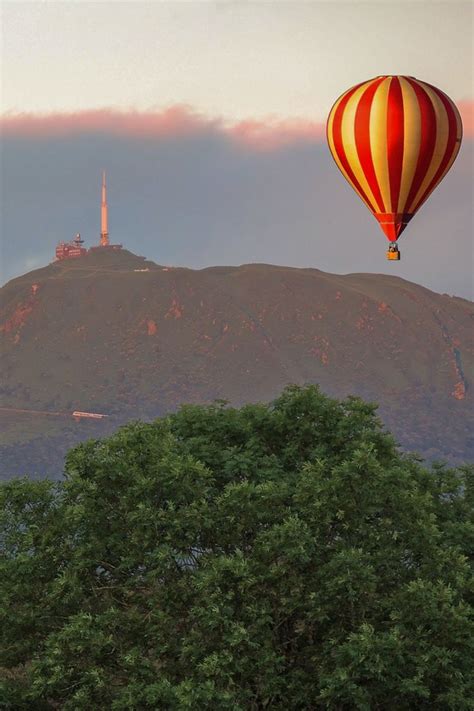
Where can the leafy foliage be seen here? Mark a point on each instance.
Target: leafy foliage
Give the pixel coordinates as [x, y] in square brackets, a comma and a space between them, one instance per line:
[282, 556]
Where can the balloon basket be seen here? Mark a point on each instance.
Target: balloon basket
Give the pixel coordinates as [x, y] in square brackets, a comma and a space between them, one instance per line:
[393, 255]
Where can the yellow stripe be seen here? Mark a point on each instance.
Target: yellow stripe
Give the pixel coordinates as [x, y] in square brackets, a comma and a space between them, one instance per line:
[411, 141]
[454, 154]
[378, 140]
[442, 132]
[458, 140]
[348, 141]
[333, 149]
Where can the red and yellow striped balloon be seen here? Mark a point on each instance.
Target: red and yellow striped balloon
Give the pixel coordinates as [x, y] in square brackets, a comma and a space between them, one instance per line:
[394, 138]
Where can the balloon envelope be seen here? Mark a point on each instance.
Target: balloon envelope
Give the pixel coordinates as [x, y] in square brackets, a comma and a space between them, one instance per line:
[394, 138]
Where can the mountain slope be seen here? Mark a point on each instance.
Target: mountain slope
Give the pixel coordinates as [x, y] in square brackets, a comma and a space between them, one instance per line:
[112, 333]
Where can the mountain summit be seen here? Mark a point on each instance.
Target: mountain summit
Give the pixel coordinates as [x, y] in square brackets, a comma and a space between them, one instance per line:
[113, 333]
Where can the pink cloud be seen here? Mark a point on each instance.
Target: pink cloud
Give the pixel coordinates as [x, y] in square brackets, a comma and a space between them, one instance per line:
[466, 109]
[276, 133]
[174, 121]
[255, 134]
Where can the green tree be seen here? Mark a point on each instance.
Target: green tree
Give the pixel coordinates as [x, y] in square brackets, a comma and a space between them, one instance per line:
[272, 557]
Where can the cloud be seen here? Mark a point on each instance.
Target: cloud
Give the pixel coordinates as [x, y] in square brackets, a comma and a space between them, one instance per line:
[275, 133]
[269, 133]
[466, 109]
[175, 121]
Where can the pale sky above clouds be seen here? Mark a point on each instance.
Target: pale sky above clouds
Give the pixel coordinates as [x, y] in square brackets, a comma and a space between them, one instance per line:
[233, 59]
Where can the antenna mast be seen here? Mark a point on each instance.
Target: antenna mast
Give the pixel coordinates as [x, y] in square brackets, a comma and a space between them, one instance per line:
[104, 218]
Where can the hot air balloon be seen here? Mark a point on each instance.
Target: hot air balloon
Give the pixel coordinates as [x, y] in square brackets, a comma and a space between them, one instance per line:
[394, 138]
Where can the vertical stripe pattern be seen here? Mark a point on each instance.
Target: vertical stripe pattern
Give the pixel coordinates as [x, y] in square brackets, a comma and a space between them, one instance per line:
[394, 138]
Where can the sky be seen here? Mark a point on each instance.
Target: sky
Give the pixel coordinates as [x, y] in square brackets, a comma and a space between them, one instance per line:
[209, 119]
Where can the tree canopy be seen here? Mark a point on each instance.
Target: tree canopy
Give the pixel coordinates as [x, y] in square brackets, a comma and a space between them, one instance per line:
[282, 556]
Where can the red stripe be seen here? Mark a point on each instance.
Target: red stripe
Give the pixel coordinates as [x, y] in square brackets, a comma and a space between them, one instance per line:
[338, 144]
[427, 141]
[395, 140]
[450, 146]
[362, 138]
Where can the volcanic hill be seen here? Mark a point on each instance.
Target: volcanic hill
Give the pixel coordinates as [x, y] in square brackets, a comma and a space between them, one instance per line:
[112, 333]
